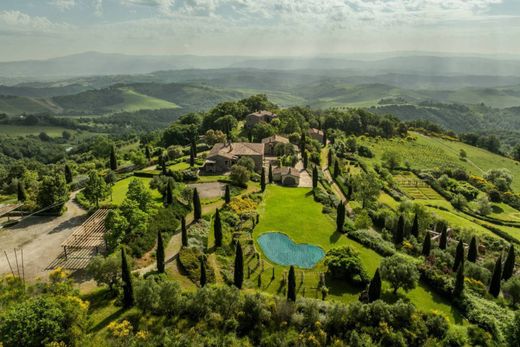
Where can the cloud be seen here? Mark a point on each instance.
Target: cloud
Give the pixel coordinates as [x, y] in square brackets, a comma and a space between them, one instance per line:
[64, 5]
[16, 21]
[98, 7]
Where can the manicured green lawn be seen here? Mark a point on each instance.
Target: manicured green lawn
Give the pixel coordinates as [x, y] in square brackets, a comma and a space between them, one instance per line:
[294, 212]
[121, 187]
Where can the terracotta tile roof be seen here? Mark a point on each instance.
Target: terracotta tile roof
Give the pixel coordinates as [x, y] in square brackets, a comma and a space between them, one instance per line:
[236, 149]
[262, 114]
[285, 170]
[275, 138]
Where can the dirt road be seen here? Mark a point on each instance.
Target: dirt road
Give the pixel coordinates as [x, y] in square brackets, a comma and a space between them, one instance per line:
[40, 239]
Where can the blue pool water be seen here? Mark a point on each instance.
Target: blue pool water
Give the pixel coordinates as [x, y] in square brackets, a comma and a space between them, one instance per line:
[280, 249]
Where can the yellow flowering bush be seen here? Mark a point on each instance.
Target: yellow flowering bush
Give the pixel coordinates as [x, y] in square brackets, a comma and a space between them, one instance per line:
[120, 329]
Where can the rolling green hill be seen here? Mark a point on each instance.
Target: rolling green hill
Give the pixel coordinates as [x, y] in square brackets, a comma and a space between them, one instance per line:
[15, 105]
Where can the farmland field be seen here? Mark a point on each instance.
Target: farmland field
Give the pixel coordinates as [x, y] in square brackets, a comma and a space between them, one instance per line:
[424, 152]
[415, 188]
[134, 101]
[23, 130]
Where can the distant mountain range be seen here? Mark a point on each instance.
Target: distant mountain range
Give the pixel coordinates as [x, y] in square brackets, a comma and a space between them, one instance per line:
[93, 63]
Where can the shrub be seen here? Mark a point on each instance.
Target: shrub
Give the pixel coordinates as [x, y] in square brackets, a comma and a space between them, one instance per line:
[189, 259]
[373, 240]
[344, 263]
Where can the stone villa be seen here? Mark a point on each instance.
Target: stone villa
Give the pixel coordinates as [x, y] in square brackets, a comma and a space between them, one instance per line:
[271, 142]
[288, 176]
[254, 118]
[224, 155]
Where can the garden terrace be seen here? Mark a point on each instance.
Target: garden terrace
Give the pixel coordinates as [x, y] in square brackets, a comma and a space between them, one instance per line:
[86, 241]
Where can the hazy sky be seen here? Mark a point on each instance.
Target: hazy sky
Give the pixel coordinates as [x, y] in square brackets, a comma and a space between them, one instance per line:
[49, 28]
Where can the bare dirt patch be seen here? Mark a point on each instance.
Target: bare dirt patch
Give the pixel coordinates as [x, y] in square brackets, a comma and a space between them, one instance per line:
[40, 238]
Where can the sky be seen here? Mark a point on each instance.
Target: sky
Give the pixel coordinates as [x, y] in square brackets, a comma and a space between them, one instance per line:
[41, 29]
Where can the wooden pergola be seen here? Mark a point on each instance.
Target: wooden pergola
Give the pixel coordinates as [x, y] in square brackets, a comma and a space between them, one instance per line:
[88, 236]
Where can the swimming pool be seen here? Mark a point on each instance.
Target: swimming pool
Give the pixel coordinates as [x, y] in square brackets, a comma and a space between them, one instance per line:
[280, 249]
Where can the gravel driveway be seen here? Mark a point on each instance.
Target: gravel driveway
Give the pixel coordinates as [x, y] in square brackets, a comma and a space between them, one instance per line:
[40, 238]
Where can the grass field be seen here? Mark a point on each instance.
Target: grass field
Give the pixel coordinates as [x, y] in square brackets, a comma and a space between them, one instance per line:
[121, 187]
[307, 224]
[134, 101]
[430, 152]
[19, 130]
[16, 105]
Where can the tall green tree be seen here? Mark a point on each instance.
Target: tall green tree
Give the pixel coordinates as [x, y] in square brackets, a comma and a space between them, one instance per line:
[203, 278]
[303, 140]
[197, 208]
[340, 217]
[374, 287]
[459, 255]
[192, 156]
[68, 174]
[330, 158]
[53, 191]
[459, 281]
[291, 288]
[427, 244]
[336, 171]
[399, 231]
[443, 239]
[473, 250]
[262, 179]
[314, 177]
[184, 232]
[126, 276]
[270, 173]
[415, 226]
[217, 229]
[227, 195]
[20, 191]
[509, 264]
[169, 193]
[238, 274]
[494, 285]
[159, 256]
[305, 159]
[366, 189]
[113, 158]
[324, 143]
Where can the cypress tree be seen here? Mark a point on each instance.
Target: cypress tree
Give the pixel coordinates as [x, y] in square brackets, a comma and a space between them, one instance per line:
[184, 232]
[305, 158]
[336, 168]
[192, 156]
[262, 179]
[164, 160]
[291, 289]
[128, 289]
[270, 173]
[427, 244]
[147, 153]
[399, 231]
[238, 275]
[473, 250]
[160, 253]
[374, 288]
[113, 158]
[169, 193]
[324, 138]
[340, 217]
[459, 281]
[68, 174]
[203, 278]
[194, 146]
[509, 264]
[302, 142]
[329, 158]
[20, 191]
[415, 226]
[459, 255]
[227, 195]
[494, 285]
[197, 209]
[217, 229]
[315, 177]
[443, 239]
